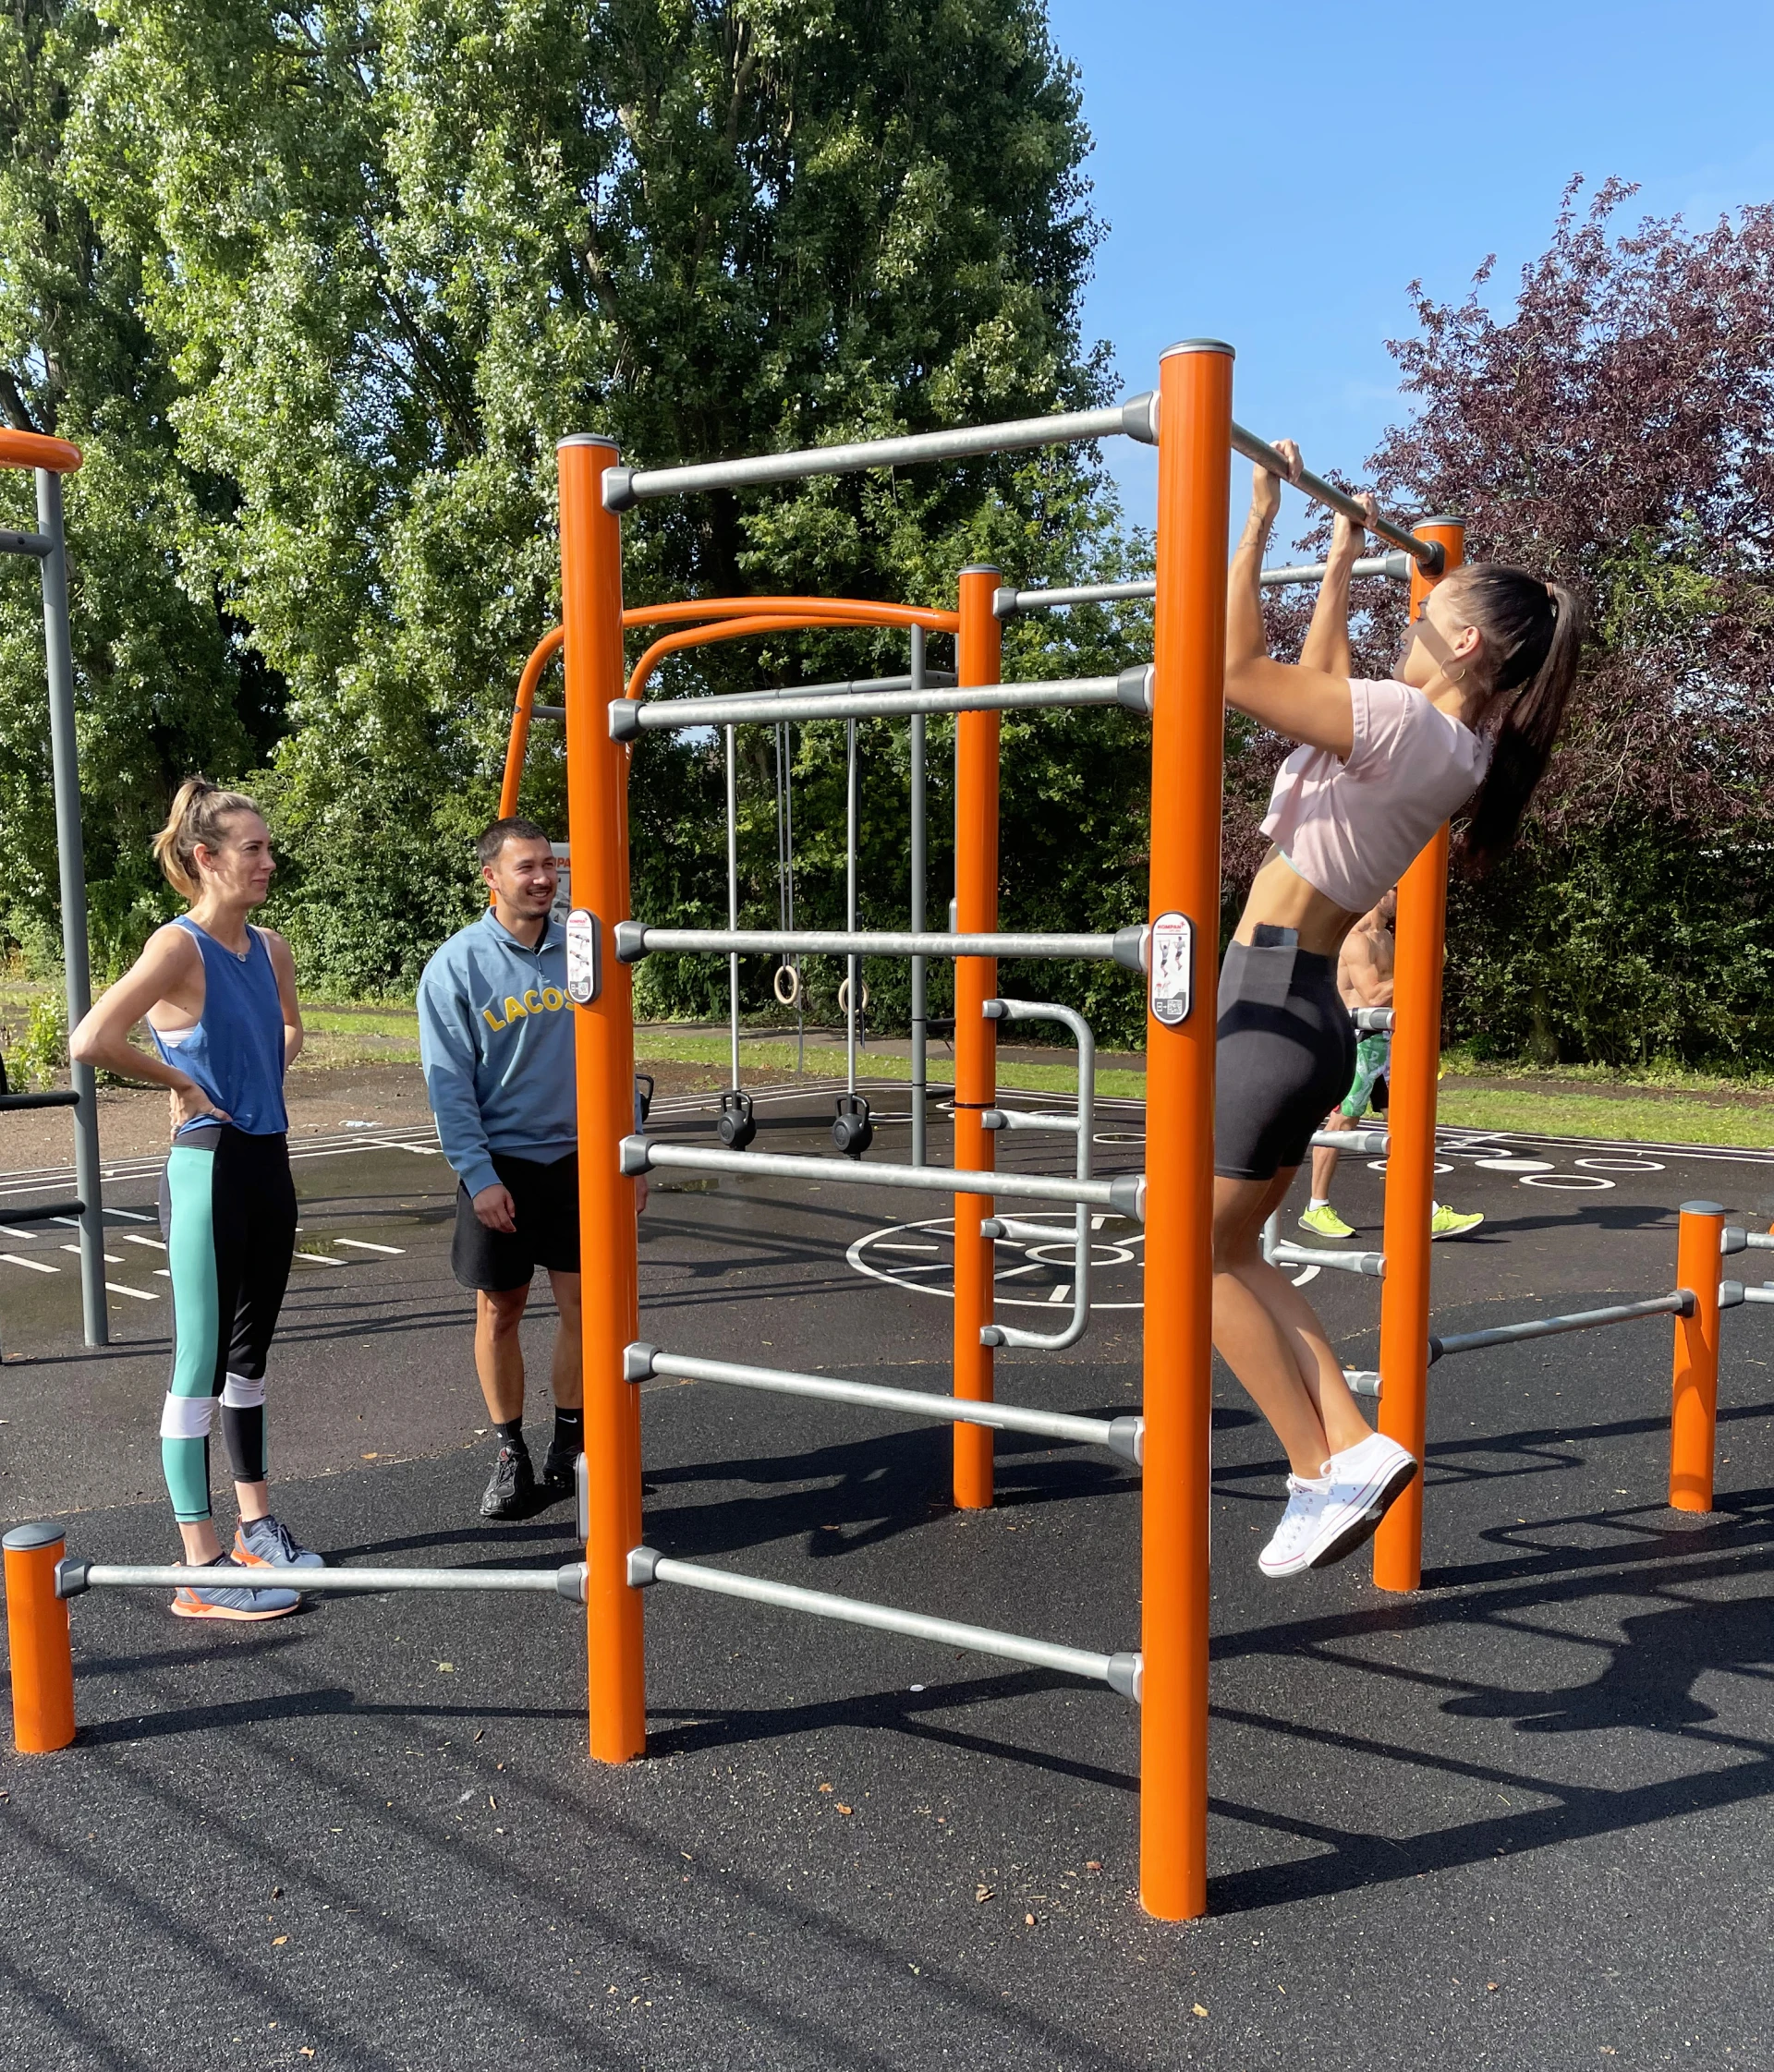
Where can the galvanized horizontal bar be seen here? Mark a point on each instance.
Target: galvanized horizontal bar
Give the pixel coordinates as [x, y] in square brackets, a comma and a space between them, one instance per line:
[1395, 568]
[1122, 1436]
[1373, 1020]
[1362, 1381]
[42, 1212]
[1371, 1263]
[1137, 419]
[636, 939]
[1019, 1233]
[1426, 552]
[1358, 1141]
[64, 1098]
[1007, 602]
[1731, 1294]
[72, 1577]
[1029, 1119]
[1678, 1303]
[1119, 1672]
[629, 717]
[1124, 1194]
[1760, 1241]
[35, 544]
[548, 712]
[1765, 1293]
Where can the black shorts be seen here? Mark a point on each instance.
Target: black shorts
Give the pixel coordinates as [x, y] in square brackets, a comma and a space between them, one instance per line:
[1285, 1058]
[546, 1201]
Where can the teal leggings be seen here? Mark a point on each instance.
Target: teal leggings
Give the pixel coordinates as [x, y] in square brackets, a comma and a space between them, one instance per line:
[227, 1211]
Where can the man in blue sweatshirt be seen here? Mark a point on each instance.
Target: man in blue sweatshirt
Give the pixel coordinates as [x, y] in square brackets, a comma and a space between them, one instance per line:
[496, 1042]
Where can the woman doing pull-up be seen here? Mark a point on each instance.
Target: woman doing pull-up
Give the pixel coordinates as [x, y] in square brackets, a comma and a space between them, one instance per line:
[1469, 714]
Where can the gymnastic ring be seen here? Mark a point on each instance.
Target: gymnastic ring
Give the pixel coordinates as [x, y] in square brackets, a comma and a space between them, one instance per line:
[844, 996]
[790, 993]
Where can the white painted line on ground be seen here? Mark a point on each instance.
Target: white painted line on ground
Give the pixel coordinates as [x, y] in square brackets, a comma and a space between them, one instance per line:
[142, 1294]
[363, 1244]
[135, 1237]
[1062, 1293]
[907, 1248]
[110, 1258]
[10, 1232]
[316, 1259]
[134, 1214]
[73, 1222]
[36, 1265]
[167, 1272]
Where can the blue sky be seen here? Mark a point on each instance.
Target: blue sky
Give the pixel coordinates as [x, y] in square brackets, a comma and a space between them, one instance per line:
[1277, 180]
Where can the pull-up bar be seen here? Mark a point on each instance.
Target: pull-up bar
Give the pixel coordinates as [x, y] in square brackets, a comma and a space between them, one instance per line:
[1428, 553]
[1007, 602]
[626, 486]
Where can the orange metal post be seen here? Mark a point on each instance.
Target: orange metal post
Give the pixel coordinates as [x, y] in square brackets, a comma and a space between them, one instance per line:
[43, 1664]
[1188, 728]
[596, 775]
[980, 646]
[1421, 930]
[1693, 1414]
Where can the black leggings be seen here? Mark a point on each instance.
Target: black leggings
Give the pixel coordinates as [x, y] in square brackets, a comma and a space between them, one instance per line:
[227, 1211]
[1286, 1054]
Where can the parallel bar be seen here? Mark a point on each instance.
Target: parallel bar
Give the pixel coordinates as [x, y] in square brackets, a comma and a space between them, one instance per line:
[44, 1212]
[548, 712]
[1425, 553]
[569, 1582]
[636, 939]
[33, 543]
[1374, 1020]
[1284, 1253]
[1760, 1241]
[1120, 1672]
[1765, 1293]
[1009, 602]
[629, 717]
[1678, 1303]
[1121, 1434]
[624, 487]
[648, 1154]
[1374, 1142]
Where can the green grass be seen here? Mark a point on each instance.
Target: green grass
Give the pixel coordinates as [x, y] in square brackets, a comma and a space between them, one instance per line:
[1562, 1114]
[825, 1059]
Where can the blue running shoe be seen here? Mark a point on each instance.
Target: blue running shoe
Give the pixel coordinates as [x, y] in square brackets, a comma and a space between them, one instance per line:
[266, 1542]
[231, 1600]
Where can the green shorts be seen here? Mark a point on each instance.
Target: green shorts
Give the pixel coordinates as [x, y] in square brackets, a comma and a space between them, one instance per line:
[1373, 1054]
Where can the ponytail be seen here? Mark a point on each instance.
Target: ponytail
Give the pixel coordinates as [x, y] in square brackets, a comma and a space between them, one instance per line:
[200, 816]
[1533, 634]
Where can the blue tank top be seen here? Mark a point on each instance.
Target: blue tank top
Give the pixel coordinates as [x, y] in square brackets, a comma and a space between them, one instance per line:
[235, 1052]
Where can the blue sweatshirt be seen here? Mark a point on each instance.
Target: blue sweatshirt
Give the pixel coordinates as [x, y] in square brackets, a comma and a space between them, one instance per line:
[495, 1037]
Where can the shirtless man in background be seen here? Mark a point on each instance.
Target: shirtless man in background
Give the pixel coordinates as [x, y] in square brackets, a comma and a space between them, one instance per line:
[1365, 979]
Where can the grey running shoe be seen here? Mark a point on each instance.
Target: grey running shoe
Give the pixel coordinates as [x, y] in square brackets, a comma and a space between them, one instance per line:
[511, 1489]
[266, 1542]
[231, 1600]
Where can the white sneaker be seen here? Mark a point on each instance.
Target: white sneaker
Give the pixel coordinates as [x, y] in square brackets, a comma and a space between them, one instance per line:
[1330, 1516]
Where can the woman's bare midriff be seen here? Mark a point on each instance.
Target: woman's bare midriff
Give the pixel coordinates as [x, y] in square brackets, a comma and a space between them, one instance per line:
[1281, 898]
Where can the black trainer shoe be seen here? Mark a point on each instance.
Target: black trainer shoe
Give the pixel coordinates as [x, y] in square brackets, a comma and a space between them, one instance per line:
[511, 1490]
[559, 1470]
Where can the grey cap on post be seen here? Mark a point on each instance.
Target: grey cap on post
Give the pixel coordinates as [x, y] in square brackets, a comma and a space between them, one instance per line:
[1200, 345]
[588, 438]
[25, 1539]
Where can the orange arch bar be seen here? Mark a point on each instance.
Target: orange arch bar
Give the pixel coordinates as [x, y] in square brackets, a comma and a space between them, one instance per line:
[850, 610]
[37, 449]
[545, 651]
[807, 620]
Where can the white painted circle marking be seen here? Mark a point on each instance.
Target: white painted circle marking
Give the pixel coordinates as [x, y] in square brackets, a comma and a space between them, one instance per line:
[908, 1277]
[1570, 1183]
[1379, 1165]
[1507, 1162]
[1622, 1165]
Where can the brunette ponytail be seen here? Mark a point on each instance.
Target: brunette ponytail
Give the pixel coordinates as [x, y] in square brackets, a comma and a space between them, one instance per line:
[199, 816]
[1533, 634]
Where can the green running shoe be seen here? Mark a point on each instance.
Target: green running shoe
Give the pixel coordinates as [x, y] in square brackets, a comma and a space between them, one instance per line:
[1449, 1223]
[1325, 1222]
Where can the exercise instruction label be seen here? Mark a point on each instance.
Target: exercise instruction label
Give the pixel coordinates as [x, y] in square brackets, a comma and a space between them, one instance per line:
[582, 973]
[1173, 957]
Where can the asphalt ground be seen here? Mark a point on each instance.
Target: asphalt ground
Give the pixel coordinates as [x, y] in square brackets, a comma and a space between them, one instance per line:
[1518, 1819]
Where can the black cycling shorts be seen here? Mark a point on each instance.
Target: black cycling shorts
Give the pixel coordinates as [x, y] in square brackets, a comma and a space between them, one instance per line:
[1286, 1054]
[546, 1201]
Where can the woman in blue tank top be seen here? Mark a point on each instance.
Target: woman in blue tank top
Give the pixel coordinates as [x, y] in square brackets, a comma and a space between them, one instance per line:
[218, 997]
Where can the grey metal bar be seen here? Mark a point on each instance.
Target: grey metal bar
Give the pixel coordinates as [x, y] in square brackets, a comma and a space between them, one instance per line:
[33, 543]
[1124, 1194]
[919, 973]
[1137, 419]
[1426, 552]
[62, 1097]
[636, 939]
[1122, 1436]
[71, 858]
[1284, 1253]
[42, 1212]
[1765, 1293]
[1120, 1672]
[548, 712]
[1373, 1020]
[1678, 1303]
[1006, 603]
[1760, 1241]
[1356, 1142]
[73, 1577]
[1362, 1381]
[629, 717]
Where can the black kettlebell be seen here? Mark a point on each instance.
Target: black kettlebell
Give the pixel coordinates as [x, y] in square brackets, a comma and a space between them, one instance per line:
[737, 1125]
[854, 1131]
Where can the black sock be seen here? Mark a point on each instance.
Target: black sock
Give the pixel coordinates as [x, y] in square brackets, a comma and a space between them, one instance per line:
[511, 1433]
[569, 1432]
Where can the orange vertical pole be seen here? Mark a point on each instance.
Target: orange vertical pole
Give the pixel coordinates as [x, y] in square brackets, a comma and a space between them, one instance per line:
[979, 646]
[1693, 1412]
[597, 805]
[1421, 930]
[43, 1662]
[1188, 745]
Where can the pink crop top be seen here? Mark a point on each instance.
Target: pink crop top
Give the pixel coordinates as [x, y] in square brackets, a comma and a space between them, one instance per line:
[1352, 825]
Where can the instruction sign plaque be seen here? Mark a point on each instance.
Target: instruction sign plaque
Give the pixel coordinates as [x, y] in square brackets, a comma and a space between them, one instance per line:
[582, 972]
[1173, 959]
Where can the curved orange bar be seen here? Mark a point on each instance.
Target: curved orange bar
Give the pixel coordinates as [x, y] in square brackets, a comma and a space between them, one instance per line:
[734, 629]
[838, 609]
[37, 449]
[545, 651]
